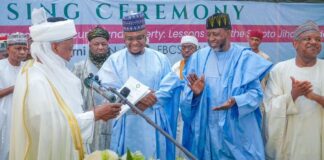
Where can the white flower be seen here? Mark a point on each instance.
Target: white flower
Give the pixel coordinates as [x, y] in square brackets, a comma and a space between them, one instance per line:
[102, 155]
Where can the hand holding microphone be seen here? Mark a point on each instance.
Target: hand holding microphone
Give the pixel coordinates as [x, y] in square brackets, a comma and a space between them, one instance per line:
[107, 111]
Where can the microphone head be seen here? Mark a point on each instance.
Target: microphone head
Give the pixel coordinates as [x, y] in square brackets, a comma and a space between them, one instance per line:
[90, 75]
[96, 78]
[89, 80]
[125, 92]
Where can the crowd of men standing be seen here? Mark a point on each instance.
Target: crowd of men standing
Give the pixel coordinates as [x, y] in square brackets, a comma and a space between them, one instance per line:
[224, 101]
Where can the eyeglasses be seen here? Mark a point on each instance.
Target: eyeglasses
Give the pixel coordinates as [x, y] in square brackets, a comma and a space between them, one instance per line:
[135, 38]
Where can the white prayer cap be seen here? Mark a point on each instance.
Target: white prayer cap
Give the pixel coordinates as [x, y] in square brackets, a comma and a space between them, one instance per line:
[43, 31]
[17, 39]
[189, 39]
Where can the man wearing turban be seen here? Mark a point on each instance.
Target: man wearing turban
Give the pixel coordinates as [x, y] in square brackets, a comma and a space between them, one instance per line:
[48, 121]
[255, 39]
[149, 67]
[294, 101]
[99, 51]
[220, 103]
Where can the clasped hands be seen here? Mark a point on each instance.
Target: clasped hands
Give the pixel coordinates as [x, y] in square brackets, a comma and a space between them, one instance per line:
[302, 88]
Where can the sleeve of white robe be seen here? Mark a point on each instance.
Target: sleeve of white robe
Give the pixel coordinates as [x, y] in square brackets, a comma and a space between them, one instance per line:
[86, 123]
[85, 120]
[278, 105]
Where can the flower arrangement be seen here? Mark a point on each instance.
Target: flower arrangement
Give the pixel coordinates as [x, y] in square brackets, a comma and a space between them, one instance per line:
[111, 155]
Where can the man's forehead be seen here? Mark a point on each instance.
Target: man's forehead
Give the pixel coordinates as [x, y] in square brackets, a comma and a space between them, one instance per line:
[98, 39]
[310, 34]
[216, 30]
[18, 46]
[255, 38]
[142, 32]
[188, 44]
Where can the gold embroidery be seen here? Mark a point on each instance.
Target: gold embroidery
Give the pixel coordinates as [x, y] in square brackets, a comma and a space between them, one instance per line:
[74, 126]
[27, 65]
[182, 64]
[28, 142]
[75, 130]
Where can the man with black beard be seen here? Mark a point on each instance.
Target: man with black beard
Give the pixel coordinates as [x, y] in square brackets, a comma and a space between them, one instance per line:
[220, 104]
[98, 53]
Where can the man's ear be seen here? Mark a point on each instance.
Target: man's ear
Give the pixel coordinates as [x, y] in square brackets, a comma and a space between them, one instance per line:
[295, 43]
[54, 47]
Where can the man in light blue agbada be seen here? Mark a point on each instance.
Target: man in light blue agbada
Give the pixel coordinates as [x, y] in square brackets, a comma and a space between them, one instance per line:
[149, 67]
[221, 101]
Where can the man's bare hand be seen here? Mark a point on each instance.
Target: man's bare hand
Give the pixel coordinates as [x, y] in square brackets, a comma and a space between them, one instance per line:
[147, 101]
[196, 84]
[300, 88]
[107, 111]
[6, 91]
[227, 105]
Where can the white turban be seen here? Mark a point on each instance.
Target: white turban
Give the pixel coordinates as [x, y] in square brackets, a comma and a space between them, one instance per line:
[43, 31]
[189, 39]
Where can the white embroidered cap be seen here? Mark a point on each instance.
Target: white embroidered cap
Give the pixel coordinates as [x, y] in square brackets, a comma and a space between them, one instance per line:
[189, 39]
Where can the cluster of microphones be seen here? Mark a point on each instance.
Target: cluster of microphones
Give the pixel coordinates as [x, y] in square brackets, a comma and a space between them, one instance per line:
[93, 82]
[113, 96]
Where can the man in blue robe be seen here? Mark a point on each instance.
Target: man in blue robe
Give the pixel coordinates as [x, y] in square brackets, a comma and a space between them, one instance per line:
[149, 67]
[221, 101]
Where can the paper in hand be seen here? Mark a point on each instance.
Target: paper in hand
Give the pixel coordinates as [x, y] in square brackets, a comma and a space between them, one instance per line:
[137, 92]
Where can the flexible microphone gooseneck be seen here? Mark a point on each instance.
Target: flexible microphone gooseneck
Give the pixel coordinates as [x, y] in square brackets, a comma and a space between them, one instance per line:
[109, 92]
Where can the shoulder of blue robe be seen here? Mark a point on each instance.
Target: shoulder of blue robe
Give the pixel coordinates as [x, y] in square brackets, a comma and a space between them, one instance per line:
[110, 70]
[164, 61]
[248, 67]
[195, 63]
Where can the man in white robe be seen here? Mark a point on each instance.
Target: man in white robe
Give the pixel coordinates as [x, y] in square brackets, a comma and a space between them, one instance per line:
[294, 101]
[149, 67]
[9, 68]
[48, 121]
[99, 51]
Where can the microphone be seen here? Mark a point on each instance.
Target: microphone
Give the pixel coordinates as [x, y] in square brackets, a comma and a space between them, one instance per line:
[124, 92]
[93, 82]
[109, 93]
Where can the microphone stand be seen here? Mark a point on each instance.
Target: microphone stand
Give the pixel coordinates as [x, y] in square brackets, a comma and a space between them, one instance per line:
[148, 120]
